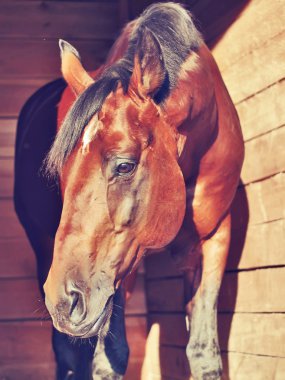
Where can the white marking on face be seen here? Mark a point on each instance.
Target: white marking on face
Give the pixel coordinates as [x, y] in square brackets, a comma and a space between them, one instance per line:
[90, 132]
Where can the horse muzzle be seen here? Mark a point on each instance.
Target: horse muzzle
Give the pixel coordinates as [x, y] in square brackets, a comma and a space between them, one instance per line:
[72, 314]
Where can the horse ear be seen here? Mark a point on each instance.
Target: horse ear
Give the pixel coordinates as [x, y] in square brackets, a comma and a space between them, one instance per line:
[72, 70]
[149, 70]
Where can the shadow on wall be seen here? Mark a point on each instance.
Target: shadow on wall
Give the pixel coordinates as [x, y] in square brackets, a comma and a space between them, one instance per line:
[166, 317]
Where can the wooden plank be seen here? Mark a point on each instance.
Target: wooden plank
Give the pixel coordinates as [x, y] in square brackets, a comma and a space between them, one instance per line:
[137, 304]
[23, 371]
[250, 30]
[41, 59]
[81, 20]
[257, 70]
[25, 342]
[245, 367]
[254, 291]
[263, 112]
[264, 246]
[136, 335]
[22, 299]
[264, 156]
[6, 177]
[266, 199]
[10, 226]
[256, 334]
[16, 259]
[240, 292]
[14, 94]
[7, 137]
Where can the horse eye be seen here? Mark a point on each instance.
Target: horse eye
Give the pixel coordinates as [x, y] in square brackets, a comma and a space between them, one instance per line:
[125, 167]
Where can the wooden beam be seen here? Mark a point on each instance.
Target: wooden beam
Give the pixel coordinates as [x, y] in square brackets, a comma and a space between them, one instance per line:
[264, 156]
[50, 19]
[263, 112]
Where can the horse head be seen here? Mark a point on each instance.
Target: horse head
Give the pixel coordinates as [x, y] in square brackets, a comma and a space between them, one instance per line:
[123, 190]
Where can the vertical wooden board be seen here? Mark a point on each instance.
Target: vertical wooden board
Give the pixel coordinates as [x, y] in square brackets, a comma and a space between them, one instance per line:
[6, 177]
[10, 226]
[266, 199]
[256, 71]
[7, 137]
[253, 291]
[264, 246]
[17, 258]
[244, 367]
[136, 335]
[263, 112]
[137, 304]
[256, 334]
[53, 19]
[264, 156]
[21, 299]
[250, 30]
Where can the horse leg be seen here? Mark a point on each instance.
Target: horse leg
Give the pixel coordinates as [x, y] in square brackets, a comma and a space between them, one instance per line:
[203, 348]
[112, 353]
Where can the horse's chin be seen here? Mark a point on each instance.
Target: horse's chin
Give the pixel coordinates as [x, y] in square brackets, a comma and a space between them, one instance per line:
[99, 327]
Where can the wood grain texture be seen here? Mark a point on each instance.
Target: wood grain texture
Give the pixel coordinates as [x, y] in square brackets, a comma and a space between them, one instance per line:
[256, 334]
[41, 59]
[266, 199]
[263, 246]
[240, 292]
[7, 137]
[10, 226]
[253, 291]
[13, 95]
[52, 19]
[250, 30]
[17, 258]
[264, 156]
[256, 71]
[263, 112]
[245, 367]
[6, 178]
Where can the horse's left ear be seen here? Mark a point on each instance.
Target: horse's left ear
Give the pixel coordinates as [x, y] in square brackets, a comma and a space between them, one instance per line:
[72, 70]
[149, 70]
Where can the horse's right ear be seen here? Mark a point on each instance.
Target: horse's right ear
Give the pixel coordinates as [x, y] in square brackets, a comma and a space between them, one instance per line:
[72, 70]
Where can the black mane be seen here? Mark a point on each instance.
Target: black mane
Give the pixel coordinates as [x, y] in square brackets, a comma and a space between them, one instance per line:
[173, 28]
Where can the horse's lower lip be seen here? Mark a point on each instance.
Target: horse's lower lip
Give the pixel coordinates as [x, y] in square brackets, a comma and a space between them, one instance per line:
[94, 327]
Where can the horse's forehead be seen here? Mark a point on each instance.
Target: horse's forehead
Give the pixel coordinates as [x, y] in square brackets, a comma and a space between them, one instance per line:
[121, 109]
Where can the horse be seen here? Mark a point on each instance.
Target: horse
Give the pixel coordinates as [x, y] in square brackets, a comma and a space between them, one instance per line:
[148, 155]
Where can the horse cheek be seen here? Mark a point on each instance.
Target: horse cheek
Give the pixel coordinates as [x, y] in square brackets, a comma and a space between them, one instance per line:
[167, 202]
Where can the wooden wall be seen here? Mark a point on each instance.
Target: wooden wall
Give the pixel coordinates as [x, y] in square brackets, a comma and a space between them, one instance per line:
[29, 32]
[251, 319]
[251, 56]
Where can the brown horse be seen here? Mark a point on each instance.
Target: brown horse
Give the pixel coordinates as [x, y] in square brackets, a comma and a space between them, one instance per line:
[149, 155]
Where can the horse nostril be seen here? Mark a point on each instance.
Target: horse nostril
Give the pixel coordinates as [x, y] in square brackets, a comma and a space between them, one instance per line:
[77, 310]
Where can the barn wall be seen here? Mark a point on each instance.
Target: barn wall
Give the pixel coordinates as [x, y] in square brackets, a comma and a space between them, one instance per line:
[251, 56]
[29, 31]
